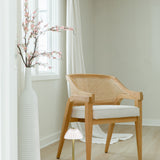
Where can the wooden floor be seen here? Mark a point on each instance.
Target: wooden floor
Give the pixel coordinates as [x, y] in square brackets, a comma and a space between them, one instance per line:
[123, 150]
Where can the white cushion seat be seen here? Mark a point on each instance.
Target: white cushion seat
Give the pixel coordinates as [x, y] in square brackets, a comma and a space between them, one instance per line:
[107, 111]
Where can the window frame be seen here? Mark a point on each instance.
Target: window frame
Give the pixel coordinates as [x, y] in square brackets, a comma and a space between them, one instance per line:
[48, 75]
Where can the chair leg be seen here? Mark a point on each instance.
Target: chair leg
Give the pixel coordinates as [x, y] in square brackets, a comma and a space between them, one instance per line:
[109, 136]
[65, 125]
[138, 126]
[88, 130]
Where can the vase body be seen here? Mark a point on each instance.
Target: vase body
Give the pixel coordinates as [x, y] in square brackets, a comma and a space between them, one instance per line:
[28, 126]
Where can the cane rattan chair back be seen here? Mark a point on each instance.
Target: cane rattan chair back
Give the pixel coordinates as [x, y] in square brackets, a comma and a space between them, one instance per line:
[105, 88]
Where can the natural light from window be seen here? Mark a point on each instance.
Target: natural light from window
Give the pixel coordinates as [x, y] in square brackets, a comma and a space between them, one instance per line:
[48, 12]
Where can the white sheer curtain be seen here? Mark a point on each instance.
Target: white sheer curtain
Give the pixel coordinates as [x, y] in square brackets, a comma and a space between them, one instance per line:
[8, 81]
[21, 68]
[75, 64]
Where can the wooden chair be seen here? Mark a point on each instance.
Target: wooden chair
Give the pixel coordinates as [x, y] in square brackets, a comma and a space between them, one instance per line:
[95, 99]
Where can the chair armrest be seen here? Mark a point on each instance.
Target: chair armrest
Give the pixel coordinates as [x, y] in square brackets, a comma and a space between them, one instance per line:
[128, 94]
[131, 95]
[82, 98]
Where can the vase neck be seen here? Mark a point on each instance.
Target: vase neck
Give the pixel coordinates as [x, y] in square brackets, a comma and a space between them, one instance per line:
[28, 78]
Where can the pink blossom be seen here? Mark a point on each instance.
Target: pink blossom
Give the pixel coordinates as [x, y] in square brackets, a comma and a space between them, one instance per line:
[71, 29]
[35, 11]
[25, 48]
[29, 56]
[62, 27]
[39, 23]
[26, 21]
[60, 53]
[26, 29]
[68, 28]
[32, 26]
[26, 14]
[60, 56]
[56, 52]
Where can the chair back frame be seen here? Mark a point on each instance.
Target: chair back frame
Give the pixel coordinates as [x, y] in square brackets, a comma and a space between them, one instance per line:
[110, 88]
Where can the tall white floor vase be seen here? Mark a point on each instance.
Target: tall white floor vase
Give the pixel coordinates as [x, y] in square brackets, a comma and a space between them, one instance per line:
[28, 129]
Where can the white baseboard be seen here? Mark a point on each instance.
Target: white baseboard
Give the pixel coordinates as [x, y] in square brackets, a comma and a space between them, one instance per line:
[46, 141]
[146, 122]
[151, 122]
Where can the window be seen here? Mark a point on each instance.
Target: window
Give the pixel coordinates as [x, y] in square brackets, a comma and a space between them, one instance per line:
[48, 12]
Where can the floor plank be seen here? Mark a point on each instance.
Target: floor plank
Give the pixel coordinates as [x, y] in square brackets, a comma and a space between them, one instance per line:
[123, 150]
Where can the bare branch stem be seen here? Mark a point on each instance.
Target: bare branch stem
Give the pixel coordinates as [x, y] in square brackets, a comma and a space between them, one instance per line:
[20, 52]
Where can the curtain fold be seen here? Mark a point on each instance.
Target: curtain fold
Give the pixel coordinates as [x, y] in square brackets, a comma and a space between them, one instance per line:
[21, 68]
[75, 64]
[8, 80]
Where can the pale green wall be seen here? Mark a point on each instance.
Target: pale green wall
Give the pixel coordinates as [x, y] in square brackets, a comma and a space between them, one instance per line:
[127, 45]
[86, 7]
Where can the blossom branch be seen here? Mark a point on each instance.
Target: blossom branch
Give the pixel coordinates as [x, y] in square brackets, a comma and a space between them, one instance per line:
[20, 52]
[33, 30]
